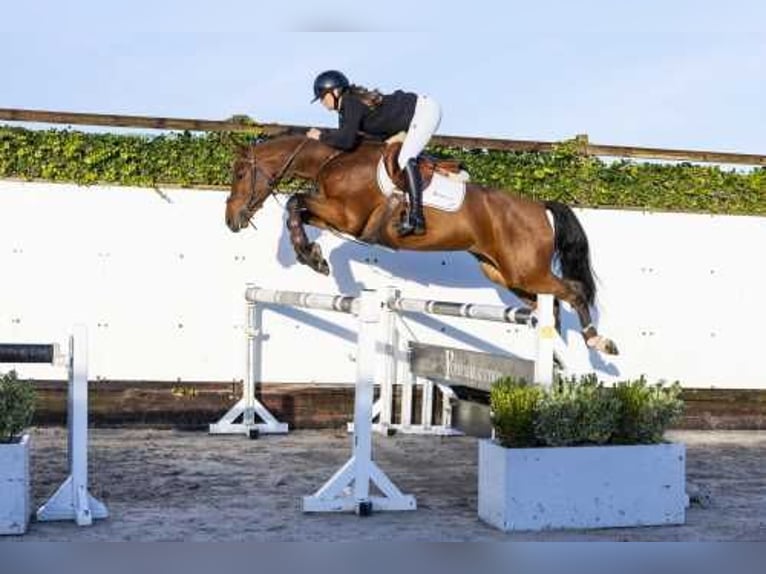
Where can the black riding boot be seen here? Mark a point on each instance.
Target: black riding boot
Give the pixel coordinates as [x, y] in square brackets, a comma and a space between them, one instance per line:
[413, 223]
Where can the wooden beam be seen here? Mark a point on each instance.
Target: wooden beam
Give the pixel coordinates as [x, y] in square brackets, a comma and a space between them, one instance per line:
[676, 154]
[112, 120]
[130, 121]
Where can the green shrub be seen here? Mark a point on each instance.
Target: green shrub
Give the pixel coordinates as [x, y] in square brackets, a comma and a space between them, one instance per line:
[646, 411]
[564, 174]
[513, 408]
[17, 405]
[577, 412]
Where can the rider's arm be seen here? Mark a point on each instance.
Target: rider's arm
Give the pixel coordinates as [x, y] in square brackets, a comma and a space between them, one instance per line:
[347, 134]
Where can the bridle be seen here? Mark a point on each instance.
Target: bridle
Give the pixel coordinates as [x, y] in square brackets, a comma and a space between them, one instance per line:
[254, 202]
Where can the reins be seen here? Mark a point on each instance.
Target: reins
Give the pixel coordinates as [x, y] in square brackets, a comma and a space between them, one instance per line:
[271, 180]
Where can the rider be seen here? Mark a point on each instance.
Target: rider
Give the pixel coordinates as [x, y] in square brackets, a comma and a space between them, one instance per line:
[380, 115]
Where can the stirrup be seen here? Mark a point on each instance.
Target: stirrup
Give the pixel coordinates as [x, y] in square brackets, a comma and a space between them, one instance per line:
[411, 226]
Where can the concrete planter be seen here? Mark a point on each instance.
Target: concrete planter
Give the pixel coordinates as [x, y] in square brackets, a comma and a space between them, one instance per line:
[581, 487]
[14, 487]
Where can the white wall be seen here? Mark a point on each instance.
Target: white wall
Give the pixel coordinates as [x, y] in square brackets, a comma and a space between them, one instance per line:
[159, 280]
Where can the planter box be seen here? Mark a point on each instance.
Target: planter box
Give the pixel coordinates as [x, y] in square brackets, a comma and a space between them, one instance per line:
[14, 487]
[581, 487]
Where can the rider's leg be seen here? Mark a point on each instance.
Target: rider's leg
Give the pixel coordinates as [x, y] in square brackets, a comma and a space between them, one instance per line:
[414, 222]
[424, 123]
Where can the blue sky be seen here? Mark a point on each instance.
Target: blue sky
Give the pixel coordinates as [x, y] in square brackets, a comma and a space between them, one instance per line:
[673, 73]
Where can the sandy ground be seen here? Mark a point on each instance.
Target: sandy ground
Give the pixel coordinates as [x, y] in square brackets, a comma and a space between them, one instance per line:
[172, 485]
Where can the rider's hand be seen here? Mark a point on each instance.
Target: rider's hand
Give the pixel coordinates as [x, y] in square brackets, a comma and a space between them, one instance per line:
[313, 133]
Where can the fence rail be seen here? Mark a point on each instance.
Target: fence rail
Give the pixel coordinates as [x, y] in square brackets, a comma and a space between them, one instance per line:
[587, 148]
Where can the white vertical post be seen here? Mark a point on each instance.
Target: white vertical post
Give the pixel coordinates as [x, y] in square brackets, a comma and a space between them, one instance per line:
[360, 470]
[427, 403]
[251, 357]
[366, 353]
[448, 395]
[546, 336]
[390, 350]
[72, 501]
[78, 425]
[407, 378]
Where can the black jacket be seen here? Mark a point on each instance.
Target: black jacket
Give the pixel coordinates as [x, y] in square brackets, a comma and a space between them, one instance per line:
[392, 116]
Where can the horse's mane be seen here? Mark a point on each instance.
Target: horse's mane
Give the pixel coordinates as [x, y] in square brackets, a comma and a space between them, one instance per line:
[289, 131]
[296, 135]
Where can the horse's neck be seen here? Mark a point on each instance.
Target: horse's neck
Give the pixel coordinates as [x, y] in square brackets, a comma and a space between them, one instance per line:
[312, 158]
[315, 158]
[304, 163]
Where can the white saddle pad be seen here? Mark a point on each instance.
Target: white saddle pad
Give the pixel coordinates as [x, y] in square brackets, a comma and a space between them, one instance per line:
[444, 192]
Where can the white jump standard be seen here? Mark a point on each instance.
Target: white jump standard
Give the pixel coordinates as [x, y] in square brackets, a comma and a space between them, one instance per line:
[71, 501]
[249, 406]
[349, 488]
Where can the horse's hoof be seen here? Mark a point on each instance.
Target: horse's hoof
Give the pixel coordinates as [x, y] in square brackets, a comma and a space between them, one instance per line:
[317, 262]
[606, 346]
[323, 267]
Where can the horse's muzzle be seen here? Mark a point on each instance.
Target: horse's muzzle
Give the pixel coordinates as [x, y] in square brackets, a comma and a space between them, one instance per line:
[234, 223]
[240, 220]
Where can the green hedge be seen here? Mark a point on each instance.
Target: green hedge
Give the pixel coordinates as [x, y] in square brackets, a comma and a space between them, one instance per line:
[577, 180]
[205, 160]
[90, 158]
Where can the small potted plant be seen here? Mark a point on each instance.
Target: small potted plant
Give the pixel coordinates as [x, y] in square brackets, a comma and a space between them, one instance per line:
[581, 455]
[17, 402]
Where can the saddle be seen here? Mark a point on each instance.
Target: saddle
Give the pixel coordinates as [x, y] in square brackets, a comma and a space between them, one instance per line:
[427, 165]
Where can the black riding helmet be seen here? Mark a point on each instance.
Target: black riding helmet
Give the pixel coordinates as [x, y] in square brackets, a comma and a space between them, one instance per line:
[327, 81]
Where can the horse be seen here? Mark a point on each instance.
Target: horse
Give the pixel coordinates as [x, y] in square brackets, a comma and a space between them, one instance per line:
[511, 236]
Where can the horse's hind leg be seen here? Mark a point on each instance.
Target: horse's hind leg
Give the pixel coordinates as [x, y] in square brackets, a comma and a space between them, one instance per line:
[307, 252]
[529, 299]
[573, 293]
[562, 289]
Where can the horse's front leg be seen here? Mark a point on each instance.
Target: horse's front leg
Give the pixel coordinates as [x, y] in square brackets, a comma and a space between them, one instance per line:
[307, 252]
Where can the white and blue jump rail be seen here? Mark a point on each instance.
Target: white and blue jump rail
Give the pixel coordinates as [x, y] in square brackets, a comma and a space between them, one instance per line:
[71, 501]
[402, 357]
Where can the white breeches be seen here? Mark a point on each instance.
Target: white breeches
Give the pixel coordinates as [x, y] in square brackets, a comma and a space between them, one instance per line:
[424, 124]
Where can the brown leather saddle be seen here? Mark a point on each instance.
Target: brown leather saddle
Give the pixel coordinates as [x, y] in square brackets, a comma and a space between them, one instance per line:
[428, 165]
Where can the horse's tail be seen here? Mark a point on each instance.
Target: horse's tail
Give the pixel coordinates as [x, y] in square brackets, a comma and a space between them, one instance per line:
[572, 249]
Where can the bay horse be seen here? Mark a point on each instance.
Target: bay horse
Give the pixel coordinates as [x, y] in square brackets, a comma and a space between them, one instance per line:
[510, 236]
